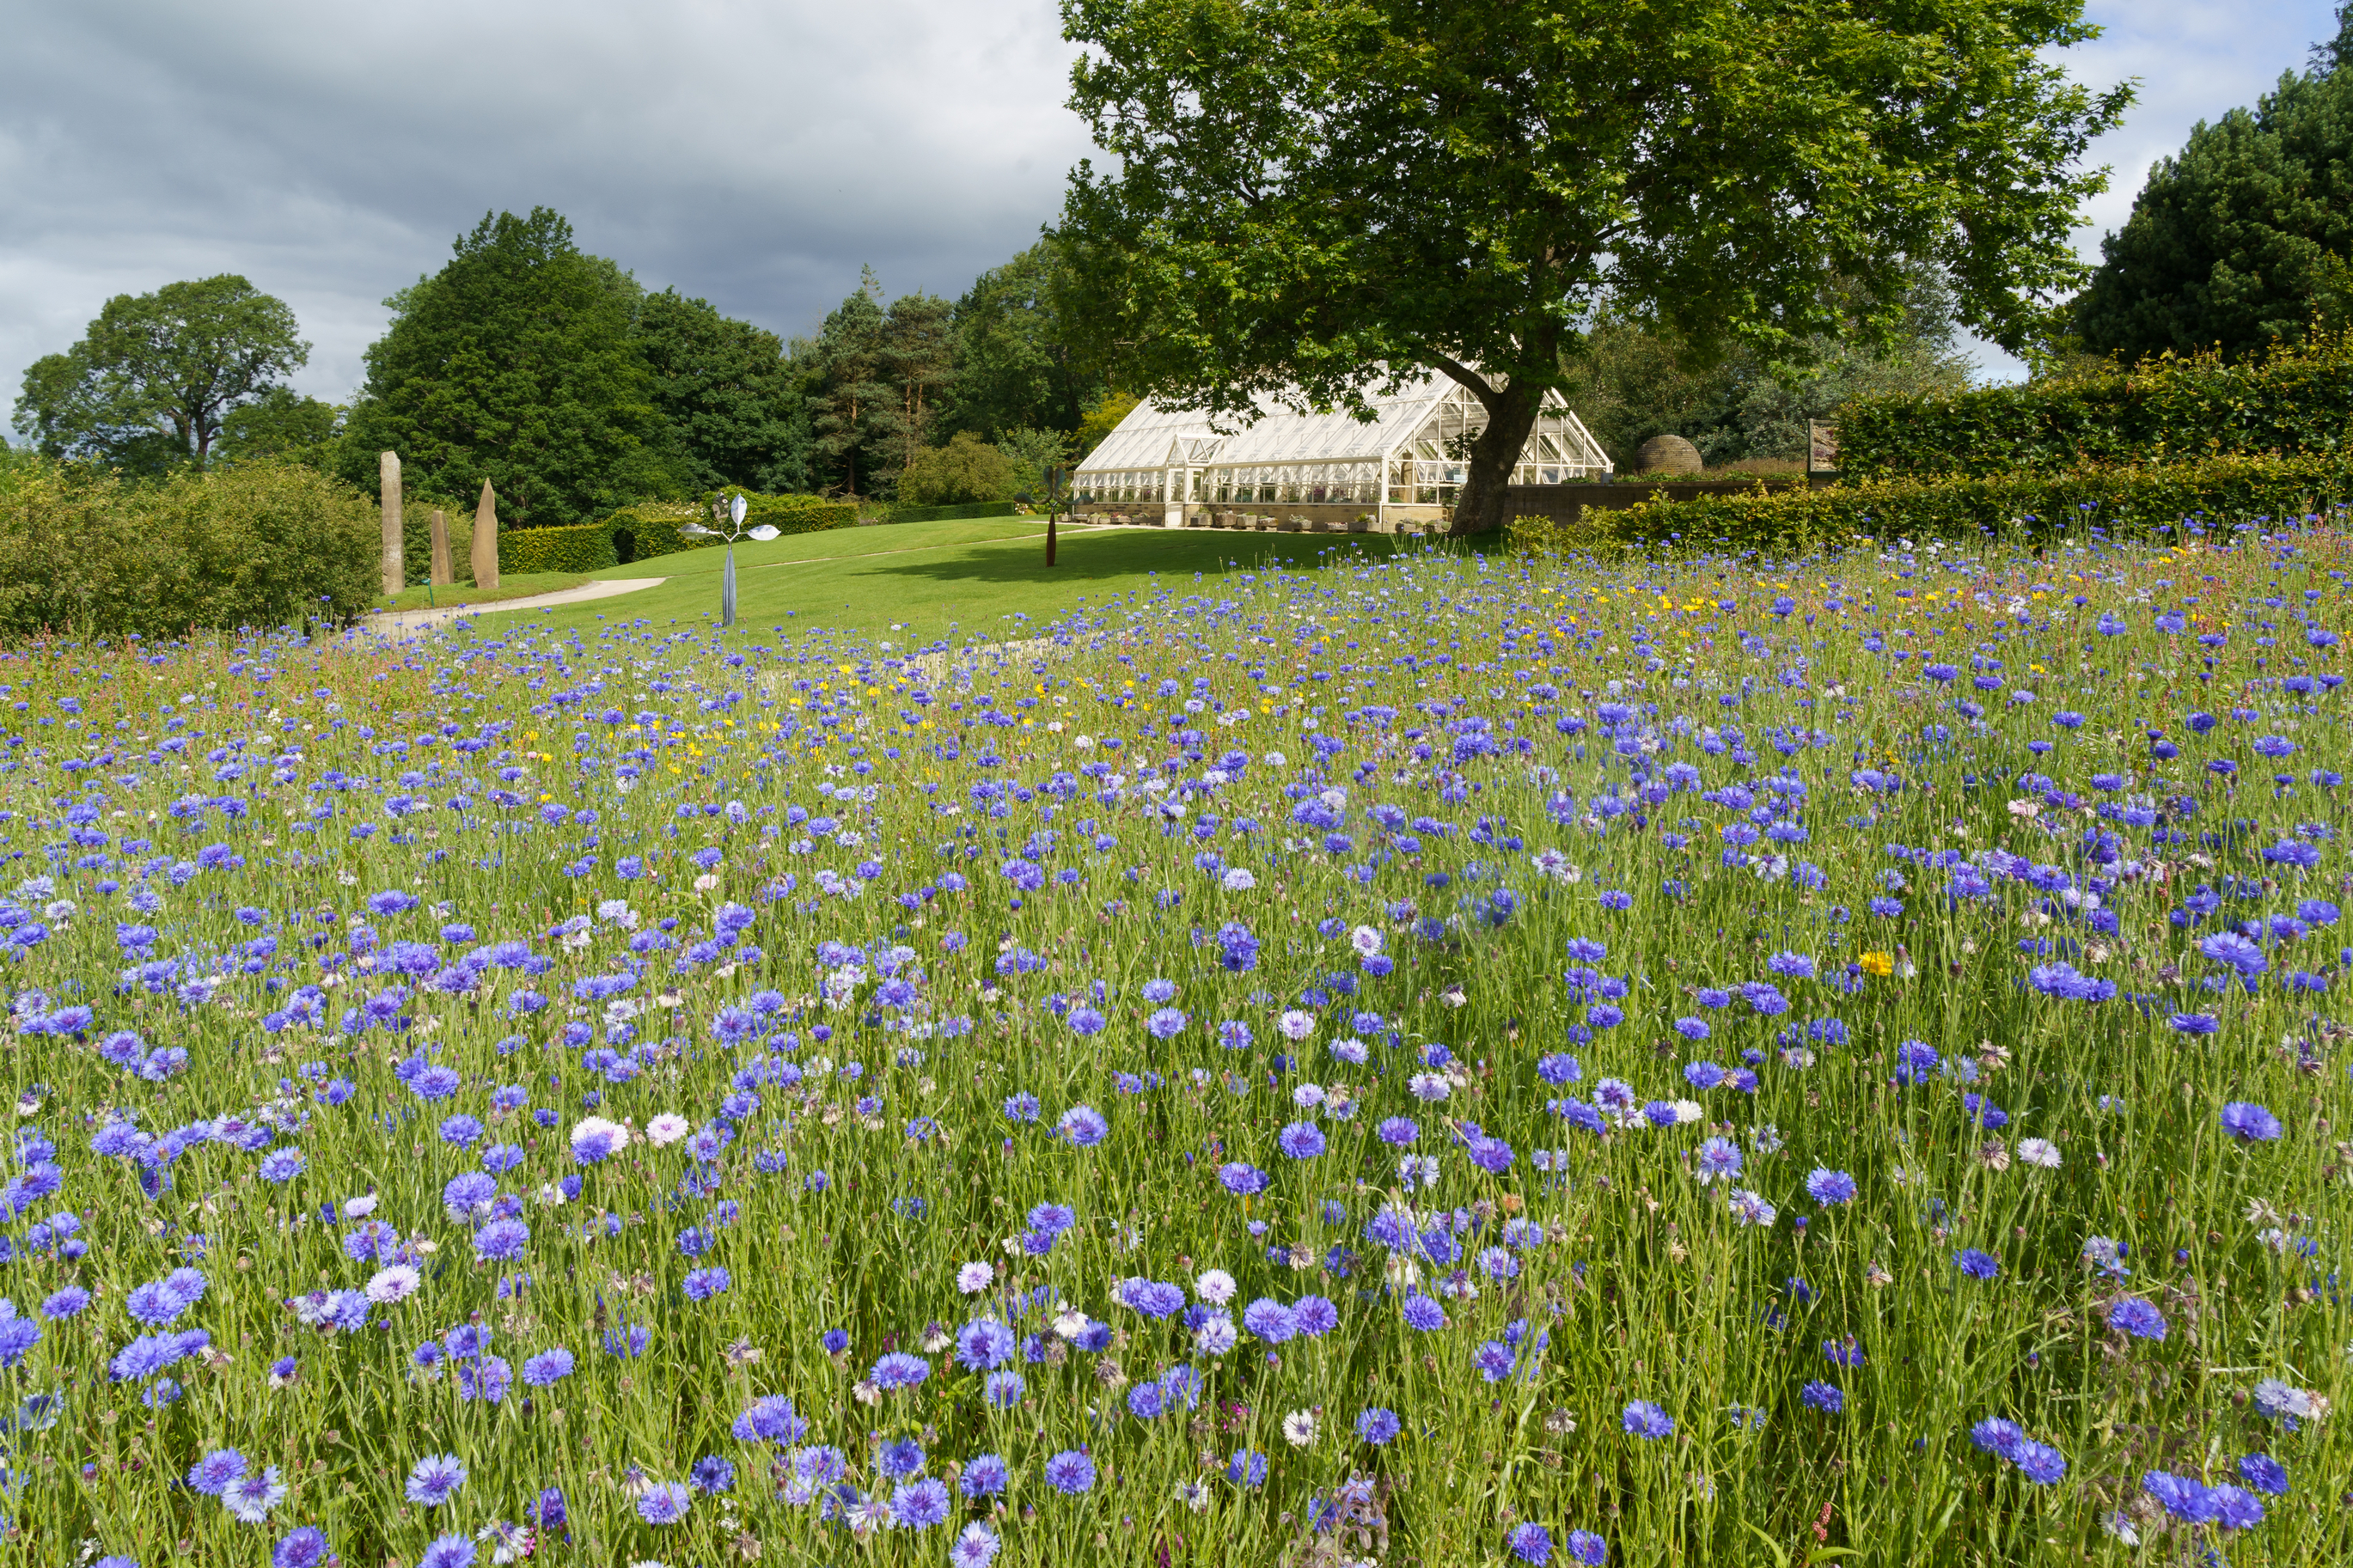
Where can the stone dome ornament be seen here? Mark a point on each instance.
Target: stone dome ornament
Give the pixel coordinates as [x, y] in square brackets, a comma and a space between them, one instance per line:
[1668, 454]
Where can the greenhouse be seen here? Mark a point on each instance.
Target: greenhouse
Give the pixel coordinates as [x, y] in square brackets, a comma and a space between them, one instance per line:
[1400, 470]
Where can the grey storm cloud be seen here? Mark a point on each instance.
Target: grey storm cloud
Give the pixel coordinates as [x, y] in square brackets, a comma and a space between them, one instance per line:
[755, 154]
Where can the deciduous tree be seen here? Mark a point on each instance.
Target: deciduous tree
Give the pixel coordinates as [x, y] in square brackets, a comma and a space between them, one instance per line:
[516, 364]
[149, 384]
[1305, 191]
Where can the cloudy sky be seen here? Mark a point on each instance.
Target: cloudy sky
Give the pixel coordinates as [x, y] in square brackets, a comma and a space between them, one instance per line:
[755, 154]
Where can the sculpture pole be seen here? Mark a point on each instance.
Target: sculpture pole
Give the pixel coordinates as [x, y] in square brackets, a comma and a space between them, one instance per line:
[395, 572]
[444, 570]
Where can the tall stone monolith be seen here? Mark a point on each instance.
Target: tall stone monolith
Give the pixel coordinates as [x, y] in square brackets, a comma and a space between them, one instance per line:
[387, 467]
[445, 571]
[486, 539]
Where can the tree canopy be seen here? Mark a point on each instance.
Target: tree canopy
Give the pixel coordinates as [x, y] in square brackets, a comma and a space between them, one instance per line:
[149, 385]
[517, 363]
[726, 394]
[2237, 240]
[1307, 188]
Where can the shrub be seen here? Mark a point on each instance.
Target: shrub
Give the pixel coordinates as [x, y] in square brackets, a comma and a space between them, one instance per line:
[966, 469]
[650, 529]
[2218, 493]
[586, 547]
[948, 514]
[253, 544]
[2298, 400]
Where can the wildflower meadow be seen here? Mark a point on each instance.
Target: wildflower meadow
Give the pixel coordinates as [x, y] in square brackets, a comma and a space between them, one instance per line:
[1431, 1061]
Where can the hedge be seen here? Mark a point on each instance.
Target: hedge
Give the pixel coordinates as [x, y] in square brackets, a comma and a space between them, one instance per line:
[2218, 494]
[950, 512]
[587, 547]
[262, 543]
[2299, 399]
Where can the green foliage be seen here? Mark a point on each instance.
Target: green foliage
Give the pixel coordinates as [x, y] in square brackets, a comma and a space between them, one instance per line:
[875, 379]
[1102, 418]
[1019, 365]
[952, 513]
[1631, 383]
[650, 529]
[1031, 453]
[1301, 189]
[281, 424]
[262, 543]
[2217, 493]
[581, 547]
[726, 394]
[2298, 399]
[2229, 243]
[966, 469]
[516, 362]
[148, 386]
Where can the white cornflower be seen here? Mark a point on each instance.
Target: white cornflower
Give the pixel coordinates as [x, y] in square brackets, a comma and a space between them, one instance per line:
[1299, 1427]
[1214, 1286]
[667, 1129]
[396, 1283]
[975, 1278]
[2039, 1151]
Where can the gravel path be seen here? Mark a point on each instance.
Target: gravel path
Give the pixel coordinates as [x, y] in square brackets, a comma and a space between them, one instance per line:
[394, 622]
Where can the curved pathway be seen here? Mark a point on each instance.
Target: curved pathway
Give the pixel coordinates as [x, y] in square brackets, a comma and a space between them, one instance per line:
[396, 621]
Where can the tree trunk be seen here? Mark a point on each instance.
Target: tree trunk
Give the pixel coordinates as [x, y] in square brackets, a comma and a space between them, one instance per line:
[1511, 415]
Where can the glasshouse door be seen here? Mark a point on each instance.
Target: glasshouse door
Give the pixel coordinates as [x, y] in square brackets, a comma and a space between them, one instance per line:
[1178, 483]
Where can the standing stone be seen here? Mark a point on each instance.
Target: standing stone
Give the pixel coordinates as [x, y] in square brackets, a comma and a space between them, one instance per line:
[445, 571]
[387, 467]
[486, 539]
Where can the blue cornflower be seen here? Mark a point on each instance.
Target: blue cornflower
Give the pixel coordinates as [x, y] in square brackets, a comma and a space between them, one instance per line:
[919, 1504]
[547, 1367]
[900, 1370]
[1423, 1313]
[1379, 1427]
[664, 1504]
[1826, 1397]
[1530, 1543]
[984, 1475]
[435, 1479]
[1301, 1140]
[712, 1475]
[1070, 1472]
[1827, 1186]
[212, 1474]
[2264, 1474]
[2132, 1315]
[1642, 1418]
[2250, 1123]
[1977, 1264]
[1083, 1125]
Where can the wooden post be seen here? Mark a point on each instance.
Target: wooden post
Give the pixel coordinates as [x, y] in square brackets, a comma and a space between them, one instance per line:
[395, 571]
[486, 539]
[445, 571]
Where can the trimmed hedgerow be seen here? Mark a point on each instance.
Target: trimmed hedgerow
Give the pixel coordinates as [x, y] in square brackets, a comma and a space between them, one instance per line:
[2299, 400]
[2219, 493]
[588, 547]
[951, 511]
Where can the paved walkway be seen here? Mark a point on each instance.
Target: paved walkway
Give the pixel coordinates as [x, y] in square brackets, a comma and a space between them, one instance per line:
[394, 622]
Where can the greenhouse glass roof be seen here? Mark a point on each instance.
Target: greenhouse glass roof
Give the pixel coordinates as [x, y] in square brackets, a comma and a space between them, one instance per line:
[1433, 408]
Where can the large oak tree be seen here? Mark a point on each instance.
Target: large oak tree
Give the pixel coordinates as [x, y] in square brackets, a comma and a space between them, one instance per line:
[1305, 189]
[152, 383]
